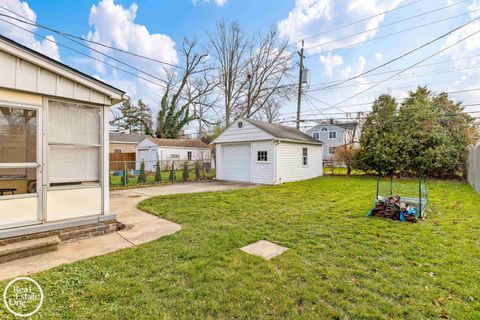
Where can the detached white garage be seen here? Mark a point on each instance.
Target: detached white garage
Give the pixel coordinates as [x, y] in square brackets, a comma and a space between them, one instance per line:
[259, 152]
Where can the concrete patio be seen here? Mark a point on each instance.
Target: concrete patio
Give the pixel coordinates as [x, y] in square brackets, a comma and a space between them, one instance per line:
[140, 228]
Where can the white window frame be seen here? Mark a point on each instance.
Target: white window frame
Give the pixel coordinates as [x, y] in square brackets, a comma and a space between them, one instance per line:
[316, 135]
[29, 165]
[101, 147]
[189, 155]
[324, 129]
[266, 155]
[304, 157]
[330, 135]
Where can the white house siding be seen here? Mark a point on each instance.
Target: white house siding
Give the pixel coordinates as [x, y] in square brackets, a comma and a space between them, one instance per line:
[149, 152]
[324, 137]
[289, 162]
[263, 172]
[17, 75]
[247, 133]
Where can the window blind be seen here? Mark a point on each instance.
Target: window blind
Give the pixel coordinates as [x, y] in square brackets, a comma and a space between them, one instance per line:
[74, 138]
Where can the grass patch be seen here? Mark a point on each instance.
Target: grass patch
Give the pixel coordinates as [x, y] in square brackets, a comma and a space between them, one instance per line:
[341, 265]
[116, 181]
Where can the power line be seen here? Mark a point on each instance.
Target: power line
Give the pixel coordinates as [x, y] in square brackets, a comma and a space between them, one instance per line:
[386, 72]
[395, 70]
[392, 23]
[69, 36]
[355, 22]
[417, 63]
[390, 34]
[84, 54]
[97, 51]
[402, 55]
[371, 102]
[402, 78]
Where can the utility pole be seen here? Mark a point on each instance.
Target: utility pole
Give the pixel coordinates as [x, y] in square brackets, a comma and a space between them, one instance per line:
[300, 80]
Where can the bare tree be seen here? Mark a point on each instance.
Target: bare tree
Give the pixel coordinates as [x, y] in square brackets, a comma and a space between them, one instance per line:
[230, 47]
[268, 67]
[183, 90]
[270, 112]
[251, 70]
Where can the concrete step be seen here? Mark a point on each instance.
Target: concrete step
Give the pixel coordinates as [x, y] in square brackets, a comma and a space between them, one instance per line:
[28, 248]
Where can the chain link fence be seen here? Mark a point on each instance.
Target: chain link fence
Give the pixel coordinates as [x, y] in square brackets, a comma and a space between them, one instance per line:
[136, 173]
[473, 173]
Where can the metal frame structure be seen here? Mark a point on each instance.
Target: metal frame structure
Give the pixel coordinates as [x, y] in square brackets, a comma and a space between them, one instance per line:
[420, 201]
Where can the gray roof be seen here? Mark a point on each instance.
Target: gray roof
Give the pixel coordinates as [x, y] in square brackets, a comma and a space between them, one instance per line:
[344, 125]
[284, 133]
[347, 125]
[126, 138]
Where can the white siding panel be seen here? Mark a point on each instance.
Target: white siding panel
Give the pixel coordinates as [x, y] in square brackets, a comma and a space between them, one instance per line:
[23, 75]
[263, 172]
[67, 204]
[289, 162]
[18, 210]
[47, 82]
[165, 153]
[97, 97]
[27, 76]
[66, 88]
[7, 73]
[83, 93]
[248, 132]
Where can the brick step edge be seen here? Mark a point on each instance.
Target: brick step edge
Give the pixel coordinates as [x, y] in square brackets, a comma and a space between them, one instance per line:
[28, 248]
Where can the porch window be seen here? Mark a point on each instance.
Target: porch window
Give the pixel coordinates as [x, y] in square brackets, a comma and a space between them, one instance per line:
[18, 151]
[74, 142]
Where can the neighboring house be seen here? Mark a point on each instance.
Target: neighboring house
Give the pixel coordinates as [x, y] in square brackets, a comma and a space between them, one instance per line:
[124, 143]
[258, 152]
[53, 146]
[166, 150]
[123, 149]
[334, 135]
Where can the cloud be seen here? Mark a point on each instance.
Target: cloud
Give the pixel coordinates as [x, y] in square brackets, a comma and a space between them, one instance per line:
[219, 3]
[330, 63]
[114, 25]
[354, 70]
[378, 57]
[310, 16]
[47, 47]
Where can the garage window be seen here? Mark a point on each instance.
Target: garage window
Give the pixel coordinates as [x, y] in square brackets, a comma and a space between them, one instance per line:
[262, 156]
[305, 156]
[189, 155]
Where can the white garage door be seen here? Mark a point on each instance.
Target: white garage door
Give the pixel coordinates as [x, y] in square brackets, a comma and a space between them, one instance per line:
[236, 162]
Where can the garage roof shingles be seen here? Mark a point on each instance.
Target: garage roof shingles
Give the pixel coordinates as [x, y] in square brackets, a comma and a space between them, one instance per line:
[126, 138]
[186, 143]
[283, 132]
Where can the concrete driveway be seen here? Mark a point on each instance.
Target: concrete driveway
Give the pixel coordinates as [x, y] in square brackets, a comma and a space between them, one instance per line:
[141, 227]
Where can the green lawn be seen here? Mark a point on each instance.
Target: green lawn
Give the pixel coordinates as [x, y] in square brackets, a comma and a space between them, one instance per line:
[340, 265]
[116, 181]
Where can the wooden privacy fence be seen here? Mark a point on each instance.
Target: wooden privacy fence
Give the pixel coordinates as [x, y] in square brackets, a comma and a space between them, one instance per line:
[474, 166]
[119, 160]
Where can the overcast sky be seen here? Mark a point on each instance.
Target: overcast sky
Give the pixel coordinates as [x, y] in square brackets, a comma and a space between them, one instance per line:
[156, 28]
